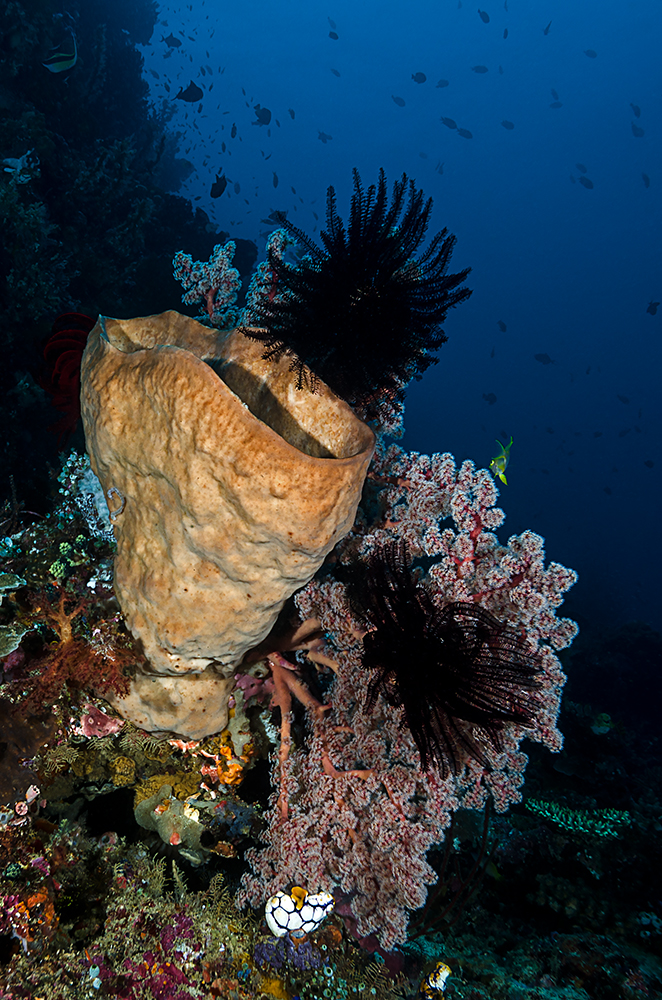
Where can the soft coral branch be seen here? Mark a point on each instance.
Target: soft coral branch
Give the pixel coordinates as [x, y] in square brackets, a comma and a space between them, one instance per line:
[71, 661]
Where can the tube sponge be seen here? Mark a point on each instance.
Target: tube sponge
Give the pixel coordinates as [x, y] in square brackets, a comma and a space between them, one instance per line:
[228, 486]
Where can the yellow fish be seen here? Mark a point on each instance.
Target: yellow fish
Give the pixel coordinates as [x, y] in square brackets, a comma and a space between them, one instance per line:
[62, 61]
[499, 463]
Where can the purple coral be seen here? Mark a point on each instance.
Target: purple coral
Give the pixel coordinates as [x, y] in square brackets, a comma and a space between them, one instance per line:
[301, 955]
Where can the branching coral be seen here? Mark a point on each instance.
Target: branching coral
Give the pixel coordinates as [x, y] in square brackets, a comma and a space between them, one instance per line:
[212, 284]
[355, 810]
[361, 312]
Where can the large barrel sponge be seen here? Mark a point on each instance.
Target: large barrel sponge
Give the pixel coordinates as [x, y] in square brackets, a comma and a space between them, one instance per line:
[227, 485]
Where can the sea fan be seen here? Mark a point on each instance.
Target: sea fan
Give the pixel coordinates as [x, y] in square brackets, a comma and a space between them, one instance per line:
[62, 353]
[458, 672]
[361, 312]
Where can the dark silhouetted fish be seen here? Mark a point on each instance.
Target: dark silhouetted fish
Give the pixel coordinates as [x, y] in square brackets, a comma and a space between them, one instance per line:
[492, 353]
[636, 110]
[607, 490]
[323, 137]
[333, 35]
[585, 182]
[275, 179]
[501, 70]
[479, 69]
[490, 398]
[544, 359]
[591, 53]
[505, 32]
[399, 101]
[646, 179]
[192, 93]
[507, 124]
[275, 216]
[219, 186]
[419, 77]
[581, 168]
[263, 115]
[555, 95]
[623, 399]
[233, 131]
[652, 308]
[237, 187]
[465, 133]
[448, 122]
[484, 16]
[440, 167]
[332, 24]
[649, 463]
[223, 147]
[442, 83]
[556, 104]
[172, 42]
[545, 31]
[502, 326]
[291, 112]
[637, 131]
[334, 71]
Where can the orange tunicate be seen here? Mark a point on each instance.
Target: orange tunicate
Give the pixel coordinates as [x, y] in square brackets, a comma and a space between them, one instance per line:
[230, 770]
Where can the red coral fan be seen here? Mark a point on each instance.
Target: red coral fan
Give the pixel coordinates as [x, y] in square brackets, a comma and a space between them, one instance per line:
[361, 813]
[62, 353]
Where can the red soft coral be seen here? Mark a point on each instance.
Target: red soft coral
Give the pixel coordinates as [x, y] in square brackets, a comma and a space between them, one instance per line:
[71, 661]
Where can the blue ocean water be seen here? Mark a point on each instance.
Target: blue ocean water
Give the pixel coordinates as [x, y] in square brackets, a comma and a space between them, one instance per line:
[568, 269]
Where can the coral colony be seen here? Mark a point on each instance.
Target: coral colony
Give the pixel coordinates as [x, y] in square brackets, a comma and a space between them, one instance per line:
[364, 634]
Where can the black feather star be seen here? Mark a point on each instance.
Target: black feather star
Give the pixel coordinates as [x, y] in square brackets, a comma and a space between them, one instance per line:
[361, 312]
[458, 672]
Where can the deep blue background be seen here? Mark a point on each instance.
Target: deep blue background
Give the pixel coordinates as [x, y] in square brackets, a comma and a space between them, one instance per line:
[569, 270]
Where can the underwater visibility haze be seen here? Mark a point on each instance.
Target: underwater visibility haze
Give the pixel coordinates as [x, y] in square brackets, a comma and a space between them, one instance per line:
[330, 647]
